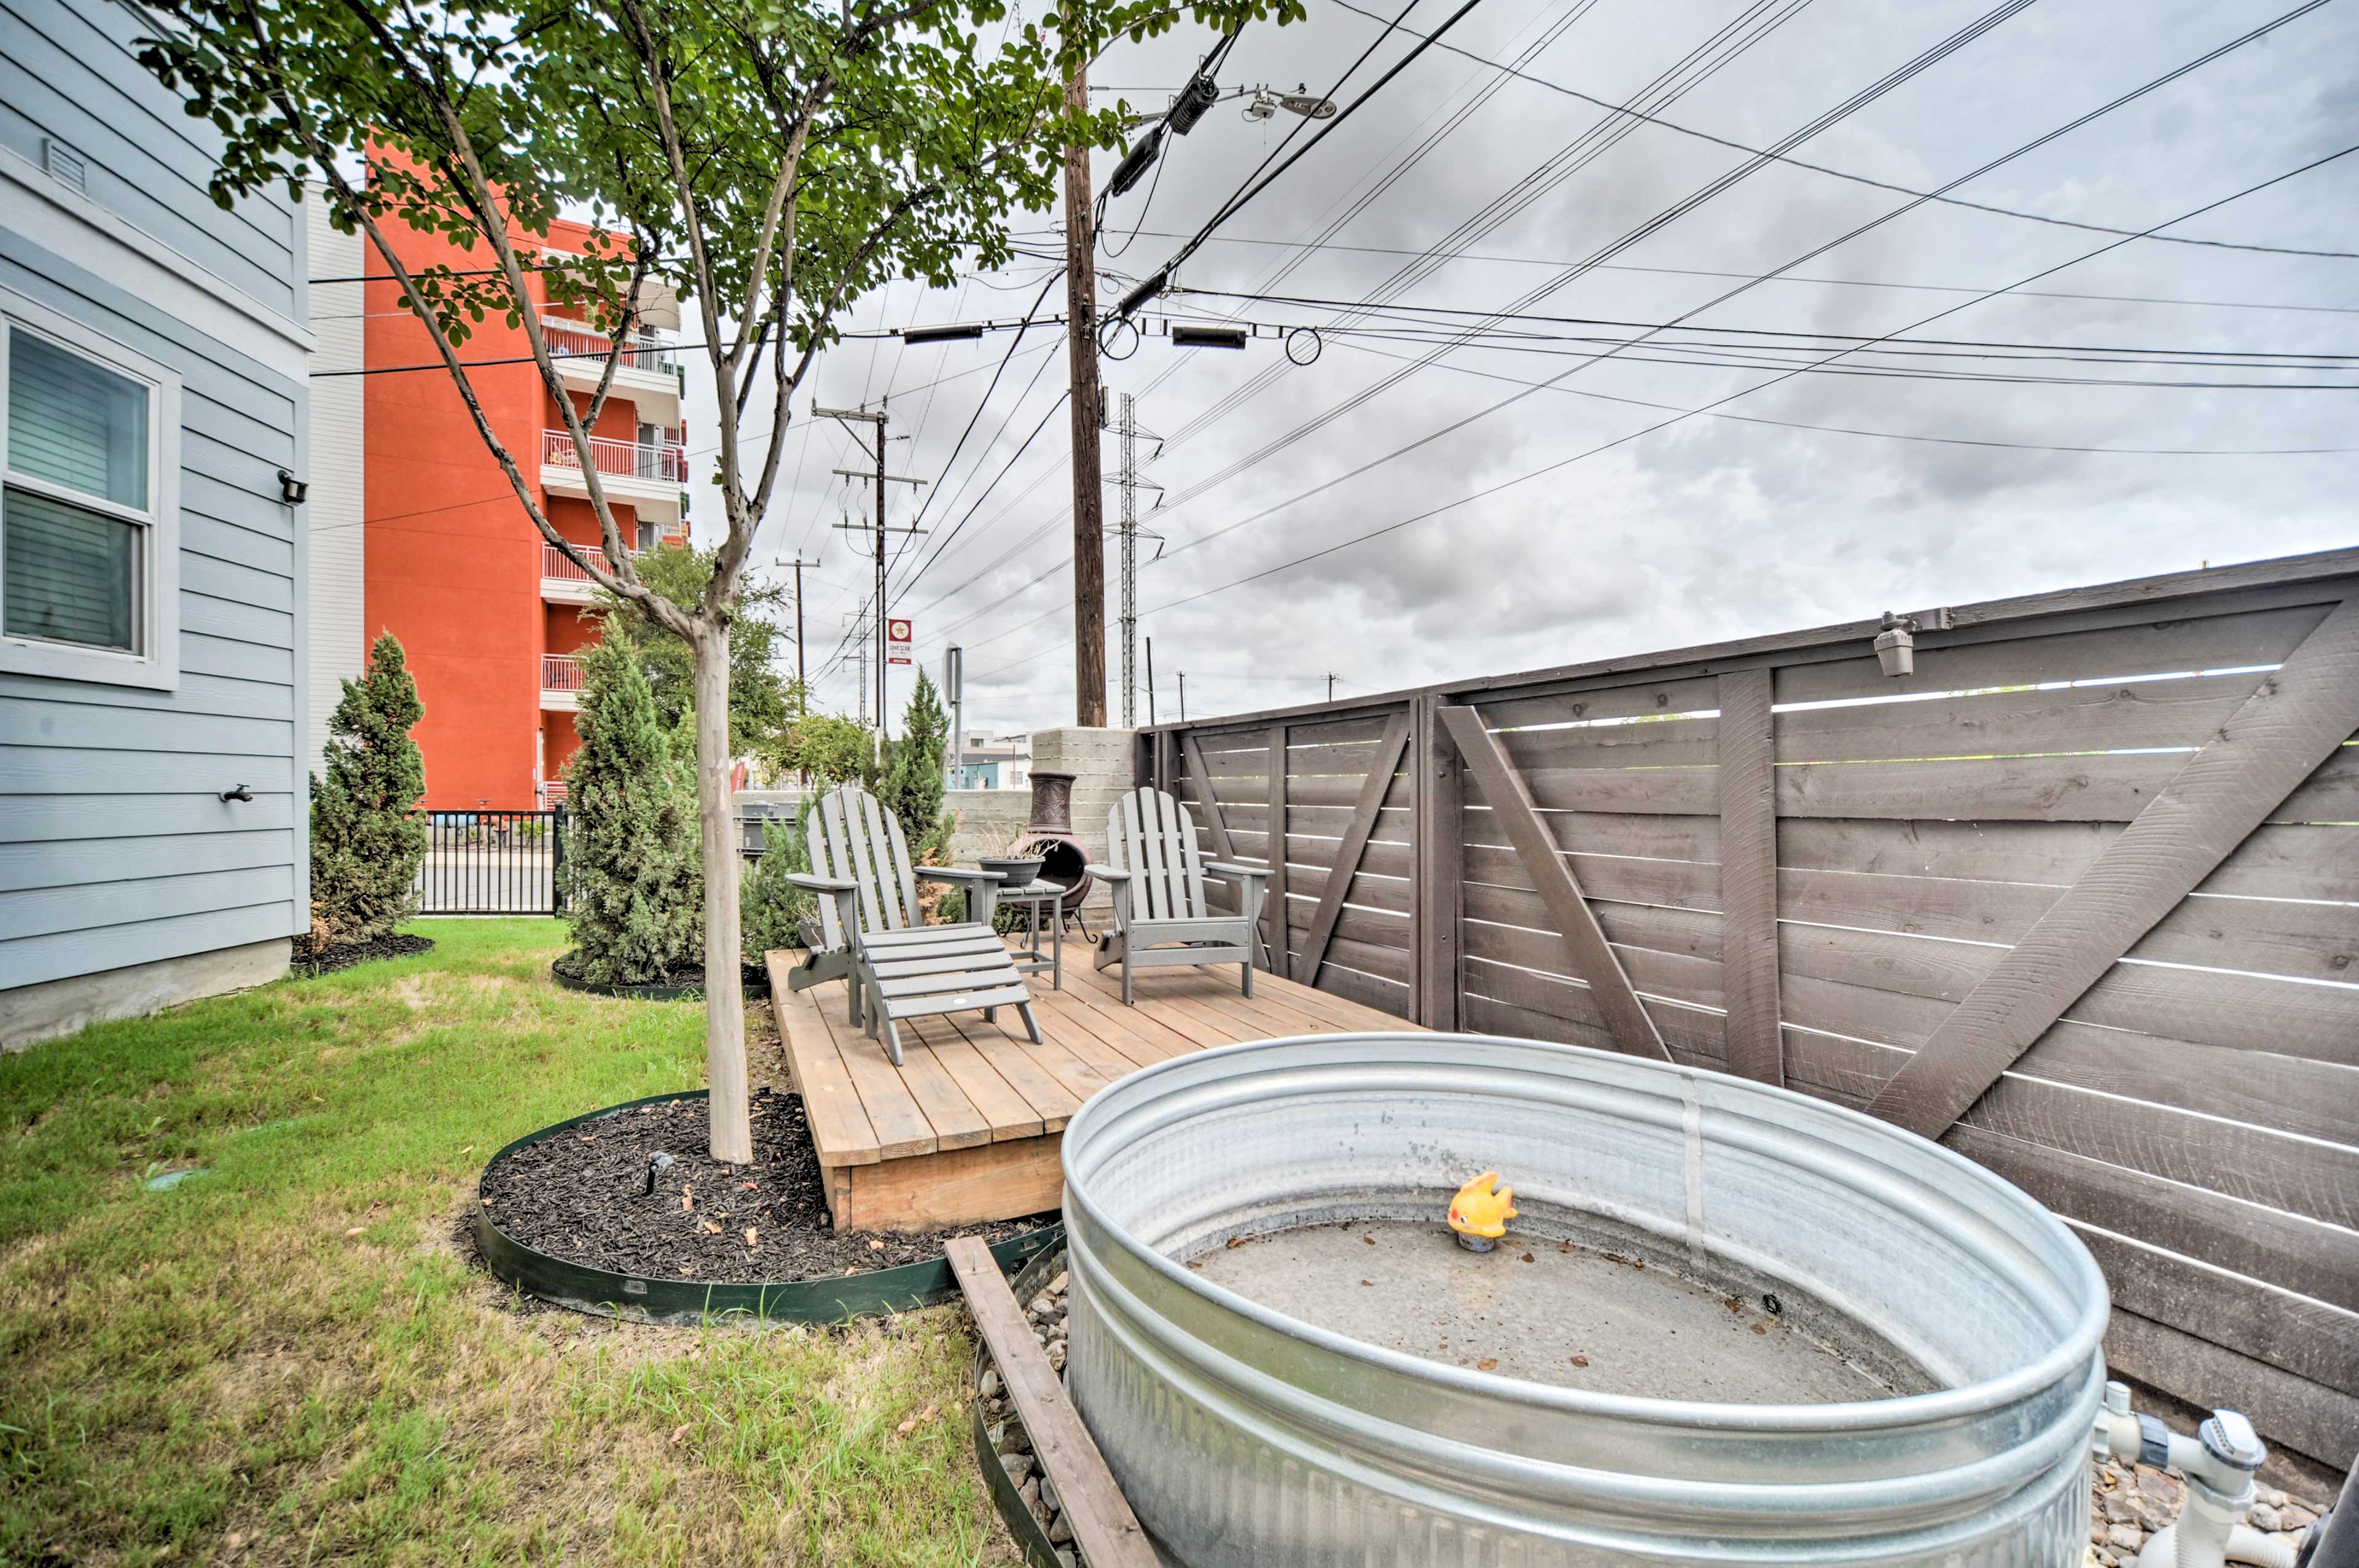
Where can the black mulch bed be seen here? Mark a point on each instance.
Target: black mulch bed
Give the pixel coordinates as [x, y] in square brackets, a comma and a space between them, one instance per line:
[581, 1196]
[569, 964]
[344, 955]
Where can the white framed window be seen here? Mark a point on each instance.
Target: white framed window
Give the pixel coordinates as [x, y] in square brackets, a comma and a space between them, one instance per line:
[90, 525]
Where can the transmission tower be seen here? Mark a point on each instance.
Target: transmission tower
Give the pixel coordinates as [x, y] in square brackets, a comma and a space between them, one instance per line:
[1128, 532]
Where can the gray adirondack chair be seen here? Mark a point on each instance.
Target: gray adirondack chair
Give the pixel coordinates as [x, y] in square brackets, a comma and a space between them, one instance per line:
[1160, 914]
[873, 934]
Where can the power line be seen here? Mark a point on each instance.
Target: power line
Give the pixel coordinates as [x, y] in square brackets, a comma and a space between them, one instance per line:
[1789, 277]
[1897, 435]
[1857, 100]
[1677, 417]
[1573, 92]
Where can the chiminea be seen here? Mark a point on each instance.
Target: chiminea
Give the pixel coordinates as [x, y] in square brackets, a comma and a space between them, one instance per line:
[1050, 835]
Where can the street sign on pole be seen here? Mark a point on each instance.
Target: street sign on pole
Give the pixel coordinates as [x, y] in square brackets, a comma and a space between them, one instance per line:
[897, 640]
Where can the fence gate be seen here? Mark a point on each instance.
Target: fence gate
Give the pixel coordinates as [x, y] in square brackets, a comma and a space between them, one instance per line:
[493, 862]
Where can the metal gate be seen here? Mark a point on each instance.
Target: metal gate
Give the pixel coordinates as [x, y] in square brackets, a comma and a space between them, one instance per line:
[493, 862]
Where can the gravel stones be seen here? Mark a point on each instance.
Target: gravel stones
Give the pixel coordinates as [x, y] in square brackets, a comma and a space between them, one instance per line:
[1045, 1315]
[2130, 1502]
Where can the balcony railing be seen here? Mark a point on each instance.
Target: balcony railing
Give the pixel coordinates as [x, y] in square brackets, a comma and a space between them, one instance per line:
[554, 563]
[578, 338]
[664, 461]
[560, 672]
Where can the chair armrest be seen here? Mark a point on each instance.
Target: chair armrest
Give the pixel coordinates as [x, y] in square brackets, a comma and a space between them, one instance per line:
[975, 875]
[811, 882]
[1107, 873]
[1231, 869]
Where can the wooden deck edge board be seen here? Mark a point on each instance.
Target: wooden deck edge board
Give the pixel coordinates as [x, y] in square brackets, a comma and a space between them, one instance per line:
[1103, 1526]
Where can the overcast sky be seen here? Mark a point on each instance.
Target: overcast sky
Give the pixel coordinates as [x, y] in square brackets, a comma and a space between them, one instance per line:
[1794, 505]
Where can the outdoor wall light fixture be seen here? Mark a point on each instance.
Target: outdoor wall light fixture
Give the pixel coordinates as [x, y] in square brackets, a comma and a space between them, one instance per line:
[292, 490]
[1896, 645]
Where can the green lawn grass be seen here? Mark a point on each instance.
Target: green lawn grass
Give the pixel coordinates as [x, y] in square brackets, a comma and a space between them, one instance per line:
[289, 1359]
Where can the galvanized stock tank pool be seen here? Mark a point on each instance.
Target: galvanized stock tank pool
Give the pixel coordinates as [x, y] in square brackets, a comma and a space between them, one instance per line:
[1729, 1325]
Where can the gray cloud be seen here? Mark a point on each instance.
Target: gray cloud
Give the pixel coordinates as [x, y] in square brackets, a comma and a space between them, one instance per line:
[1712, 528]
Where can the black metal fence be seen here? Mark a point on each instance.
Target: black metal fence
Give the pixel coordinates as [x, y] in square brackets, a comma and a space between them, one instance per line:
[494, 863]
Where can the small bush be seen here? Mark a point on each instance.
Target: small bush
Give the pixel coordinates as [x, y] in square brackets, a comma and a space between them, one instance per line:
[633, 871]
[368, 838]
[770, 909]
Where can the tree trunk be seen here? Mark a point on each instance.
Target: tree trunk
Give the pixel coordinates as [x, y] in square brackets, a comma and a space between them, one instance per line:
[724, 993]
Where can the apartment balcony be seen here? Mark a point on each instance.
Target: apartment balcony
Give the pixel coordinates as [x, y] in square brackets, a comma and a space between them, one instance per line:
[563, 582]
[651, 478]
[649, 375]
[560, 683]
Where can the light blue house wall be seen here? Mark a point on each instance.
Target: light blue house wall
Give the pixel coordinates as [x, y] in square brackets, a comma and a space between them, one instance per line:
[126, 882]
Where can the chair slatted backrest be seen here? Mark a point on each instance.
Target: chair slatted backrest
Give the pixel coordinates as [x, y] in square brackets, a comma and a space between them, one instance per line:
[1153, 836]
[857, 840]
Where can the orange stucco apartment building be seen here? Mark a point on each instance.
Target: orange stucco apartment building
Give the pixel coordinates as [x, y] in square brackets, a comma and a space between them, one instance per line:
[424, 537]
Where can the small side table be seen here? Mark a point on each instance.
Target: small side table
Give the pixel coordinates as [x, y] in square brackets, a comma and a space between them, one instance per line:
[1042, 899]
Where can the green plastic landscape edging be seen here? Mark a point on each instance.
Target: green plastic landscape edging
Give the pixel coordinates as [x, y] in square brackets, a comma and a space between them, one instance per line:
[603, 1293]
[1030, 1534]
[755, 990]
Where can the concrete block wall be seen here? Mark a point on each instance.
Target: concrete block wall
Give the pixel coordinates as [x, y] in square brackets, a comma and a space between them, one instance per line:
[989, 821]
[1104, 763]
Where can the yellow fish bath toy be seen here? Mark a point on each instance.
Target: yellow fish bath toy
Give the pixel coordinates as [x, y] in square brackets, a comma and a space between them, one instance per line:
[1480, 1211]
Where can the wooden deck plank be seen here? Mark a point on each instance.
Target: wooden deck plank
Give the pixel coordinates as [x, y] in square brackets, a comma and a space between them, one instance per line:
[1050, 1101]
[840, 1125]
[1142, 1046]
[957, 1123]
[1003, 1108]
[901, 1126]
[969, 1124]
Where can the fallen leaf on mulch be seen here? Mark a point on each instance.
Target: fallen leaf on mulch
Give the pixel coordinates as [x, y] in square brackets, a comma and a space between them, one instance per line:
[749, 1235]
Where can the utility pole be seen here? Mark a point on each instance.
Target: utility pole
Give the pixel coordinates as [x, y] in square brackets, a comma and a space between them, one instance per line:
[1088, 417]
[878, 420]
[802, 675]
[1150, 680]
[1183, 697]
[1331, 686]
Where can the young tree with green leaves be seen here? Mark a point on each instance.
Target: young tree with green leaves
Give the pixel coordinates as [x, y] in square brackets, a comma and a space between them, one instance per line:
[759, 695]
[768, 160]
[913, 780]
[634, 882]
[368, 838]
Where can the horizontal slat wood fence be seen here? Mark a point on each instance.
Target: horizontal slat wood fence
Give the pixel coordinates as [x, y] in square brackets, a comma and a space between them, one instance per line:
[2079, 896]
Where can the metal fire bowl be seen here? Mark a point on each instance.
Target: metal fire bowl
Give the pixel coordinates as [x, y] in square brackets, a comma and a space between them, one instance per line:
[1242, 1435]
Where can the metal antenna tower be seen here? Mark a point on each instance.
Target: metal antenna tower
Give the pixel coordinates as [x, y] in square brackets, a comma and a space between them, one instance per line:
[1128, 532]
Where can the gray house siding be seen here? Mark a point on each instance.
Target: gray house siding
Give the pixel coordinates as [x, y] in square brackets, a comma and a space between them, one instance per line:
[68, 73]
[116, 849]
